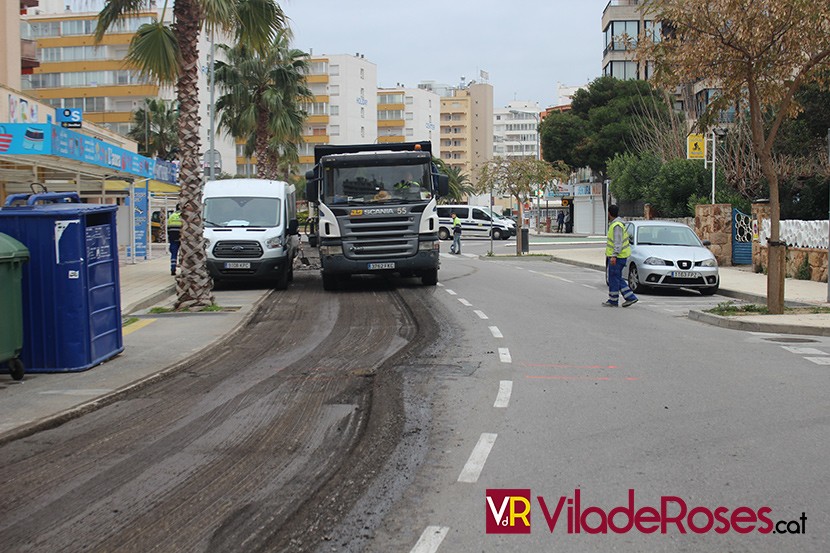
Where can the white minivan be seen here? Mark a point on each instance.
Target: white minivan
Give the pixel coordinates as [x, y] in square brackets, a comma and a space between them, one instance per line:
[475, 221]
[251, 230]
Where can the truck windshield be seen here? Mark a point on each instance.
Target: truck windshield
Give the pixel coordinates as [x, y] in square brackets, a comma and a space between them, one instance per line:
[242, 211]
[378, 184]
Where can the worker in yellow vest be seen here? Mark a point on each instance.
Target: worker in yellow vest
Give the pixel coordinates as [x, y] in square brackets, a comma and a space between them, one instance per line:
[174, 229]
[617, 251]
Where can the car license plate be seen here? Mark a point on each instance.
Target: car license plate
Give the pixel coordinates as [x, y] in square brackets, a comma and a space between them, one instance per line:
[238, 265]
[377, 266]
[685, 274]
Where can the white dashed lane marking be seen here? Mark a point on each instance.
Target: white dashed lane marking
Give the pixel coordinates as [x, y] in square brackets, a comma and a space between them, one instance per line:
[475, 464]
[819, 360]
[465, 302]
[451, 292]
[503, 398]
[504, 355]
[430, 539]
[494, 330]
[480, 314]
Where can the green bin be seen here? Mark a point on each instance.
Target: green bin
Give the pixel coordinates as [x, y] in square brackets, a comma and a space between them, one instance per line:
[13, 255]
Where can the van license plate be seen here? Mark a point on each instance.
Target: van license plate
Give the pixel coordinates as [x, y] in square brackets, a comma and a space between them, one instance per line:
[685, 274]
[377, 266]
[238, 265]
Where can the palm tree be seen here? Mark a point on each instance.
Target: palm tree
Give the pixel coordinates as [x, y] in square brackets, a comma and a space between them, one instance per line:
[261, 101]
[460, 185]
[155, 128]
[169, 54]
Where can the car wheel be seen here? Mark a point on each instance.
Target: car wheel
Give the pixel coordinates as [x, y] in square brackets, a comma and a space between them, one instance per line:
[634, 280]
[443, 234]
[709, 291]
[496, 234]
[429, 278]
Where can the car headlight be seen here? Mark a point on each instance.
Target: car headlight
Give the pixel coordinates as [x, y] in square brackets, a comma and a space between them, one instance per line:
[709, 263]
[274, 242]
[657, 261]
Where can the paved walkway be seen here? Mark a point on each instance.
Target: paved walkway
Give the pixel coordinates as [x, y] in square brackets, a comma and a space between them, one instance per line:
[156, 344]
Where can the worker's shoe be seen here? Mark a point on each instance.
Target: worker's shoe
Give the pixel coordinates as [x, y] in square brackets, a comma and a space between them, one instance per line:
[626, 303]
[609, 304]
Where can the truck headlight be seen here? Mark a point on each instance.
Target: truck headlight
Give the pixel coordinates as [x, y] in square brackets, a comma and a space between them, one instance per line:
[331, 250]
[428, 245]
[274, 242]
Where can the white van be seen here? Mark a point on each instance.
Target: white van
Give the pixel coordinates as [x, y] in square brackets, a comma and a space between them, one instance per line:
[475, 221]
[251, 230]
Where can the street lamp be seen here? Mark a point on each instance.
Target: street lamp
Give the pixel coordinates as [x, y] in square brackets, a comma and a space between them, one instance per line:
[716, 133]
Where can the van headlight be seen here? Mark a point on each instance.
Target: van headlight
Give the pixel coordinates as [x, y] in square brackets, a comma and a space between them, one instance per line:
[207, 244]
[274, 242]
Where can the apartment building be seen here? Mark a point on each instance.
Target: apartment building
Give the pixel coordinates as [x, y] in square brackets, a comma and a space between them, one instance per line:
[409, 114]
[622, 22]
[75, 72]
[19, 52]
[516, 130]
[344, 110]
[467, 128]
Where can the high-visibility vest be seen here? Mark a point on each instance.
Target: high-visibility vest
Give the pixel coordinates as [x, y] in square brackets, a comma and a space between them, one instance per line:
[175, 219]
[626, 245]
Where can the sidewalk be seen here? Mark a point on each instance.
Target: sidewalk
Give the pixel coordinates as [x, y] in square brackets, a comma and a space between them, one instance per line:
[41, 401]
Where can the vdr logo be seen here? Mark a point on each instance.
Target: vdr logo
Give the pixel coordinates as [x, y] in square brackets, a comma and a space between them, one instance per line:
[508, 511]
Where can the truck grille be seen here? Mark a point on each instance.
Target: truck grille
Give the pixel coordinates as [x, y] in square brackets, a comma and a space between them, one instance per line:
[237, 249]
[380, 237]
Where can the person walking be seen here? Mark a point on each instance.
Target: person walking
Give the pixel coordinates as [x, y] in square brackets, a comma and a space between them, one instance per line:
[174, 230]
[617, 251]
[456, 235]
[560, 220]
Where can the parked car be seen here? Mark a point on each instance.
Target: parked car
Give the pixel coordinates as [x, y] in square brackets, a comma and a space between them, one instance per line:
[665, 254]
[475, 221]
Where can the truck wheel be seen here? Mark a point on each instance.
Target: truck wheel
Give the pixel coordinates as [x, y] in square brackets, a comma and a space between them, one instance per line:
[443, 234]
[429, 278]
[16, 368]
[330, 282]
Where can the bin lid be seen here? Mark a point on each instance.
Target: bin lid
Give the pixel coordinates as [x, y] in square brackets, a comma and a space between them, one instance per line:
[12, 249]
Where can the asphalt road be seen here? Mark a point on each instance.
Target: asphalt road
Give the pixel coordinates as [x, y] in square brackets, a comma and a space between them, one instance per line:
[376, 418]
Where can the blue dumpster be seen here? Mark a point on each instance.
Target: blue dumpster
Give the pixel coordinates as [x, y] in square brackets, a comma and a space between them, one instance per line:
[70, 291]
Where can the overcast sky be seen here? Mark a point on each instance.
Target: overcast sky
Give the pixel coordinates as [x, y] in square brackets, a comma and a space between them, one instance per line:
[526, 46]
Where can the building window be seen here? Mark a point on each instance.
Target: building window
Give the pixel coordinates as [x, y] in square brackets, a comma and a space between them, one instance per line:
[362, 75]
[617, 32]
[334, 110]
[362, 132]
[409, 116]
[409, 131]
[410, 100]
[334, 70]
[653, 30]
[334, 130]
[623, 70]
[362, 113]
[334, 90]
[389, 114]
[390, 98]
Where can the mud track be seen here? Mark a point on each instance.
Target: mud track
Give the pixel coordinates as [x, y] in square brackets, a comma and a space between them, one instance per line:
[265, 443]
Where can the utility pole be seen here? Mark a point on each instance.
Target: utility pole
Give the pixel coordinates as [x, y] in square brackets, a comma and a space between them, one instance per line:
[212, 170]
[828, 223]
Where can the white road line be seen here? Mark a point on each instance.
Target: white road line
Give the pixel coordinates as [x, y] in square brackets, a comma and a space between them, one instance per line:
[475, 464]
[819, 360]
[430, 539]
[494, 330]
[469, 255]
[465, 302]
[803, 351]
[557, 277]
[589, 286]
[480, 314]
[451, 292]
[504, 355]
[440, 284]
[503, 398]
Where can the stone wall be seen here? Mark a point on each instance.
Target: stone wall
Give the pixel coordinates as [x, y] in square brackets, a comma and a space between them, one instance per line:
[816, 258]
[713, 222]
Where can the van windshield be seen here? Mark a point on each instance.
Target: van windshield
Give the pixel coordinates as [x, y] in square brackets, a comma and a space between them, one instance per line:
[242, 211]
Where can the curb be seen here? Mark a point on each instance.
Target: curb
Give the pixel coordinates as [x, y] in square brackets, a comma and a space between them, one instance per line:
[149, 300]
[753, 326]
[53, 421]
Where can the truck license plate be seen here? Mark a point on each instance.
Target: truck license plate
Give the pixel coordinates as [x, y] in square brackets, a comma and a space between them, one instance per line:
[685, 274]
[377, 266]
[237, 264]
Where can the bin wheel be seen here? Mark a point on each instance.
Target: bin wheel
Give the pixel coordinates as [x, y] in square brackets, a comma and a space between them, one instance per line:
[16, 368]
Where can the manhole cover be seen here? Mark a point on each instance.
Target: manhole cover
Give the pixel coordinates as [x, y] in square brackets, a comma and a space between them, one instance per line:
[792, 340]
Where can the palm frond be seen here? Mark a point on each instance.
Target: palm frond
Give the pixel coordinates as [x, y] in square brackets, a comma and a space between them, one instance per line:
[154, 51]
[113, 10]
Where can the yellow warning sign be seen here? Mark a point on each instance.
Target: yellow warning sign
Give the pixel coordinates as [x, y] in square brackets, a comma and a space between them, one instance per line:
[696, 146]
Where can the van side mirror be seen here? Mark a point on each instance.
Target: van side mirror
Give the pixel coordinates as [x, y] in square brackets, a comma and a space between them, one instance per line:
[293, 227]
[443, 185]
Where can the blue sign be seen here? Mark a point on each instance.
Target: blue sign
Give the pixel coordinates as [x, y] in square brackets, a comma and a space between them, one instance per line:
[69, 118]
[25, 139]
[140, 207]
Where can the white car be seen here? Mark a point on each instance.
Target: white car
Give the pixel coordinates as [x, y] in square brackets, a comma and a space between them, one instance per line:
[665, 254]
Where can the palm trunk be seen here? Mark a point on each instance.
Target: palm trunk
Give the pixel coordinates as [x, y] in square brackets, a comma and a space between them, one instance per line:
[193, 285]
[264, 166]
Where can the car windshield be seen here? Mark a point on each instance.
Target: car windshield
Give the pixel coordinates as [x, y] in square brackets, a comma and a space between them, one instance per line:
[381, 184]
[666, 236]
[242, 211]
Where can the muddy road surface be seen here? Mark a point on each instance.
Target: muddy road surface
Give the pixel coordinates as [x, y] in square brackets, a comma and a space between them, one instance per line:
[267, 442]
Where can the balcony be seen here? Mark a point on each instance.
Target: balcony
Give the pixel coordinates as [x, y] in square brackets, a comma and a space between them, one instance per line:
[28, 54]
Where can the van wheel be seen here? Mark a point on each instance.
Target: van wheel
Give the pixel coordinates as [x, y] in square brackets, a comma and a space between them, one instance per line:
[330, 282]
[16, 368]
[443, 234]
[282, 280]
[429, 278]
[496, 234]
